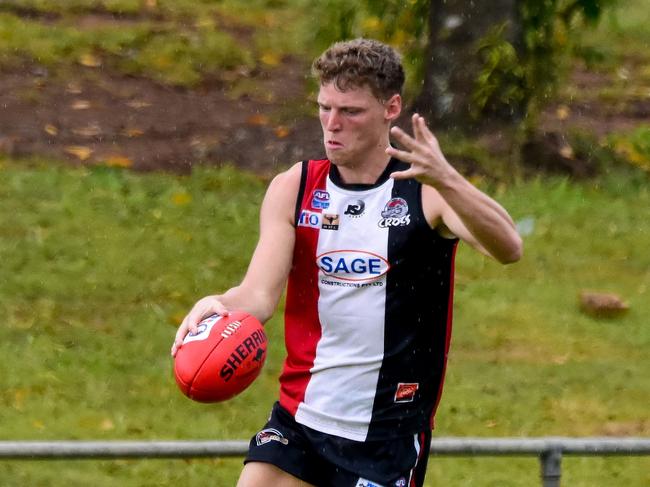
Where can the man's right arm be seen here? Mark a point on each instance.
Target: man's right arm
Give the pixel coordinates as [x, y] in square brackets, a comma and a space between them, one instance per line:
[265, 279]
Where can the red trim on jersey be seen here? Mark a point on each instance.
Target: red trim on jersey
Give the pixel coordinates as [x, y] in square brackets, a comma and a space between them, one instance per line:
[302, 323]
[450, 312]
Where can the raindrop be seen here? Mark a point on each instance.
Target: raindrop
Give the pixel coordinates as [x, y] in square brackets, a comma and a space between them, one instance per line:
[526, 226]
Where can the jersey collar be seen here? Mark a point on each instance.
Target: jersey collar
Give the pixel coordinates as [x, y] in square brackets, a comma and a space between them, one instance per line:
[335, 176]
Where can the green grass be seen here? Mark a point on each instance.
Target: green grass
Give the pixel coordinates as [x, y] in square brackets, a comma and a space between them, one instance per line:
[623, 30]
[173, 42]
[99, 265]
[164, 52]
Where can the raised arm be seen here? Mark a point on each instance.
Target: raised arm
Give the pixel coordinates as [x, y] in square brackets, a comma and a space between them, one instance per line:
[265, 279]
[451, 202]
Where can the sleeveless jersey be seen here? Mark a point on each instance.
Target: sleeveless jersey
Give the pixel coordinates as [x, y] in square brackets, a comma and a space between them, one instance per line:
[368, 307]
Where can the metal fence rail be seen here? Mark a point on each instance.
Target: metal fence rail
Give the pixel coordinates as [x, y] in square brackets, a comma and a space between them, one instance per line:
[549, 449]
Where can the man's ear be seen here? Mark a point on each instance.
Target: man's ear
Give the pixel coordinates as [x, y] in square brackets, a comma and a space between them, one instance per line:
[393, 107]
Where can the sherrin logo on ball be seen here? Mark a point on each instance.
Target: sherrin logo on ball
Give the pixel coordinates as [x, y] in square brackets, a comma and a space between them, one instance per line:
[222, 358]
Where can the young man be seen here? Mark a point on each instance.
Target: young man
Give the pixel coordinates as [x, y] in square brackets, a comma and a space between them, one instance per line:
[366, 239]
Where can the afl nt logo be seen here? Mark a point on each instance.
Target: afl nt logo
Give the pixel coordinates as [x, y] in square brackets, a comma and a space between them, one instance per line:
[320, 199]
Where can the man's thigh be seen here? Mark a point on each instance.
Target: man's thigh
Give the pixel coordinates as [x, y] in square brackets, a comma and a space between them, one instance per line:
[256, 474]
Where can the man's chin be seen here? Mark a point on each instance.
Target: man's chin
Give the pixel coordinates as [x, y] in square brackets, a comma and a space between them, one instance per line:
[336, 157]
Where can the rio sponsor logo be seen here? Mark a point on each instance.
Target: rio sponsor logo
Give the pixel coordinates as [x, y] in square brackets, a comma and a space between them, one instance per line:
[251, 345]
[320, 199]
[270, 434]
[309, 219]
[352, 265]
[406, 391]
[395, 213]
[202, 330]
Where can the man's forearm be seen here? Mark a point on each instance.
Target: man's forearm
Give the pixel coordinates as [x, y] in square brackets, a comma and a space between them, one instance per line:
[486, 219]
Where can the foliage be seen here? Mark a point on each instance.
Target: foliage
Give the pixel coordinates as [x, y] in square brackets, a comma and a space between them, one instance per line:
[526, 74]
[510, 74]
[388, 21]
[635, 146]
[551, 28]
[501, 81]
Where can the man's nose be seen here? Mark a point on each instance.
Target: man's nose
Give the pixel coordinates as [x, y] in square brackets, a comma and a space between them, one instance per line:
[333, 121]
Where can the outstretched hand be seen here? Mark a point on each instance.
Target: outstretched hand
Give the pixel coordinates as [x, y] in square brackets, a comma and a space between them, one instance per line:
[422, 152]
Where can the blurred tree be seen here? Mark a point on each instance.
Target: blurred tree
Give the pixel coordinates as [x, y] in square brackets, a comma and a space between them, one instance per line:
[471, 67]
[475, 61]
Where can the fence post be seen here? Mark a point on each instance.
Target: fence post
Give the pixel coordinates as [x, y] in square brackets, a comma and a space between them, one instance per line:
[551, 463]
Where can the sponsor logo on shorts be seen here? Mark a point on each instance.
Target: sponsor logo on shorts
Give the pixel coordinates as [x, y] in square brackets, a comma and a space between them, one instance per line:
[352, 265]
[320, 199]
[330, 221]
[406, 391]
[270, 434]
[366, 483]
[355, 210]
[202, 330]
[309, 219]
[395, 213]
[400, 482]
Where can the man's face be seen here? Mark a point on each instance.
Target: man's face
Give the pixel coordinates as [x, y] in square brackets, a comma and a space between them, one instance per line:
[354, 122]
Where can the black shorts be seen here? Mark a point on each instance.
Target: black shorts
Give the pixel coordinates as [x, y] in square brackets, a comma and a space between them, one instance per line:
[330, 461]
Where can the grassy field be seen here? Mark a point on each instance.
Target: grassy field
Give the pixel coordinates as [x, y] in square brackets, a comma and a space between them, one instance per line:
[99, 265]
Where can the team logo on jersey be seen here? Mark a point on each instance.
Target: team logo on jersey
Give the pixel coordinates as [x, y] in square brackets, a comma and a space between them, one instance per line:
[309, 219]
[395, 213]
[202, 330]
[270, 434]
[320, 199]
[330, 222]
[355, 210]
[366, 483]
[406, 391]
[352, 265]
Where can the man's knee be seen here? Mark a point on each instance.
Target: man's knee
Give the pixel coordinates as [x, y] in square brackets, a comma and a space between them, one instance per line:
[257, 474]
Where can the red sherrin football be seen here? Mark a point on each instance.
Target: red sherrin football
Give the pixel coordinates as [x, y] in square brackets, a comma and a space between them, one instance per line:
[222, 359]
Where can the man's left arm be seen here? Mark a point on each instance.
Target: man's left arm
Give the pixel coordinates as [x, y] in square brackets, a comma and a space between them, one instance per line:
[466, 211]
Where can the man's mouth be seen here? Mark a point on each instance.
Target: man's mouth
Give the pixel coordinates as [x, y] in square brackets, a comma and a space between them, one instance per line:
[334, 144]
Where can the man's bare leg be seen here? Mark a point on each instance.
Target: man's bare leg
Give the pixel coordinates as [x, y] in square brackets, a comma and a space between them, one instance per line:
[260, 474]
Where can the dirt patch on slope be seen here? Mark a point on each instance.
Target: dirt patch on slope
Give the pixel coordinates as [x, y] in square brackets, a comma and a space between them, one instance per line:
[91, 116]
[261, 120]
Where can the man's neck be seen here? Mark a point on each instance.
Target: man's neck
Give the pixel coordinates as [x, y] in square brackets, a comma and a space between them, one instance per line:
[366, 171]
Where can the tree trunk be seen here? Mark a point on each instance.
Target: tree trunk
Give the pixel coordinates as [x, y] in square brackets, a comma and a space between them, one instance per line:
[453, 64]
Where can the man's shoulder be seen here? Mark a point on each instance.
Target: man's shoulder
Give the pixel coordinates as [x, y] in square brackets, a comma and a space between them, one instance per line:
[286, 183]
[292, 176]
